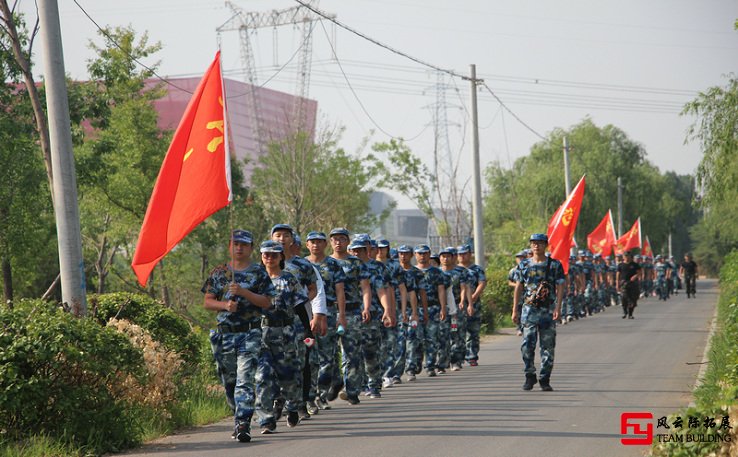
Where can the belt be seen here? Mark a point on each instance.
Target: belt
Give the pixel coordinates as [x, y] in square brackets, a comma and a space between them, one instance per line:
[241, 328]
[266, 322]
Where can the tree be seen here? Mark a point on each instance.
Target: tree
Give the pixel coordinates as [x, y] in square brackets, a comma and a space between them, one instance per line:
[313, 184]
[716, 131]
[521, 200]
[25, 210]
[120, 159]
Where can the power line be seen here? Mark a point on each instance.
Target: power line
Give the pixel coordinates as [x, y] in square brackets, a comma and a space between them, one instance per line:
[378, 43]
[115, 43]
[356, 96]
[512, 113]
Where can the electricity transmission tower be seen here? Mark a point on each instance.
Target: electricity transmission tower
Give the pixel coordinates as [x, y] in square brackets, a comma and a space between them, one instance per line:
[247, 23]
[453, 228]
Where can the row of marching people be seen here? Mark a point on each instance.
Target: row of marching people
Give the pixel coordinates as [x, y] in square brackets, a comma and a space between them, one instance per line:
[296, 333]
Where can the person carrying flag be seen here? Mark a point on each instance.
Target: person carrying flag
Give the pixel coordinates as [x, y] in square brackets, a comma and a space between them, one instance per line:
[239, 292]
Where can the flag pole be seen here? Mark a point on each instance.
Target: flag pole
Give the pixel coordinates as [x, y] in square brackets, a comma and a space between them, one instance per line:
[228, 137]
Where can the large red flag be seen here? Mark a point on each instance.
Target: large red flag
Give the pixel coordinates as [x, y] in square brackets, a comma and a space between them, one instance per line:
[631, 239]
[602, 238]
[563, 223]
[194, 180]
[646, 249]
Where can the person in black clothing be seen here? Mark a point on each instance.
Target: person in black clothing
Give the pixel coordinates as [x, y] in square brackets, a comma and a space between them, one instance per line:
[629, 276]
[688, 271]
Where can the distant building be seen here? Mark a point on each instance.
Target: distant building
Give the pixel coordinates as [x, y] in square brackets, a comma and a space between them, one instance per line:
[275, 109]
[412, 226]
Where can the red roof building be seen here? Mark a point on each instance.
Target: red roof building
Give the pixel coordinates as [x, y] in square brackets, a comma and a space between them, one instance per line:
[276, 110]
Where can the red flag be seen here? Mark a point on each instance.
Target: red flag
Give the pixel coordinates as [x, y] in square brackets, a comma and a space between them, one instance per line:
[194, 180]
[631, 239]
[602, 238]
[563, 223]
[646, 249]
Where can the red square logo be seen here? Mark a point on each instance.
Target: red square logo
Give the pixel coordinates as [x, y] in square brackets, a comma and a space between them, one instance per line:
[631, 424]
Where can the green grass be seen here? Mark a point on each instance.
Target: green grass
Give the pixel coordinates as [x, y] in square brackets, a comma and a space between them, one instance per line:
[719, 388]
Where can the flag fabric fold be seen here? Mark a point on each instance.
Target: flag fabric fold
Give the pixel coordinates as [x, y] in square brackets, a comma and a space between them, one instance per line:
[194, 179]
[646, 249]
[602, 239]
[562, 225]
[631, 239]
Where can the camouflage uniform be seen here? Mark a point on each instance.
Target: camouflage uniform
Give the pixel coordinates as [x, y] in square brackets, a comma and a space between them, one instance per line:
[433, 278]
[444, 327]
[415, 332]
[393, 340]
[279, 371]
[371, 332]
[460, 278]
[355, 271]
[474, 322]
[538, 323]
[236, 342]
[571, 303]
[332, 273]
[303, 270]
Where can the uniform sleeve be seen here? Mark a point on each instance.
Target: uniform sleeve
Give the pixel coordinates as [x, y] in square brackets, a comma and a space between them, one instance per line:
[481, 276]
[559, 277]
[212, 285]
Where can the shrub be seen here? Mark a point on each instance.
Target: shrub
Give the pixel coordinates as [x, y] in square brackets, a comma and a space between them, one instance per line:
[164, 325]
[55, 370]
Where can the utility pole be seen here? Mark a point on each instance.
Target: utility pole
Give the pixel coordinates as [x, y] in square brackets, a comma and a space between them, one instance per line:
[476, 175]
[620, 207]
[567, 181]
[66, 210]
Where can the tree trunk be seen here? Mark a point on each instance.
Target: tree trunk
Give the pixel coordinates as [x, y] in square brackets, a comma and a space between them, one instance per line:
[164, 289]
[7, 282]
[42, 126]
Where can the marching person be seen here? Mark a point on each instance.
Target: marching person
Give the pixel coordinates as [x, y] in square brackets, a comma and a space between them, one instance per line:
[629, 277]
[239, 292]
[333, 279]
[279, 369]
[474, 310]
[435, 291]
[541, 282]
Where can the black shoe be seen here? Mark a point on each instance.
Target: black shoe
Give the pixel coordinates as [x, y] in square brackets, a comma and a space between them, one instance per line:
[269, 428]
[530, 381]
[332, 393]
[624, 316]
[545, 386]
[293, 419]
[278, 408]
[243, 433]
[353, 400]
[303, 412]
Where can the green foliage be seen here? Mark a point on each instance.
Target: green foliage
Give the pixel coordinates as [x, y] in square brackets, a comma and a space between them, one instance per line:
[397, 168]
[55, 370]
[162, 323]
[716, 131]
[498, 294]
[717, 396]
[522, 199]
[313, 185]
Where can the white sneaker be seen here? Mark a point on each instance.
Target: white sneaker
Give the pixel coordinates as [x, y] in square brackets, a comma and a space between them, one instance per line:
[387, 383]
[410, 376]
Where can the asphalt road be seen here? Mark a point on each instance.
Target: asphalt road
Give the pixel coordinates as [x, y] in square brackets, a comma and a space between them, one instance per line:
[605, 366]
